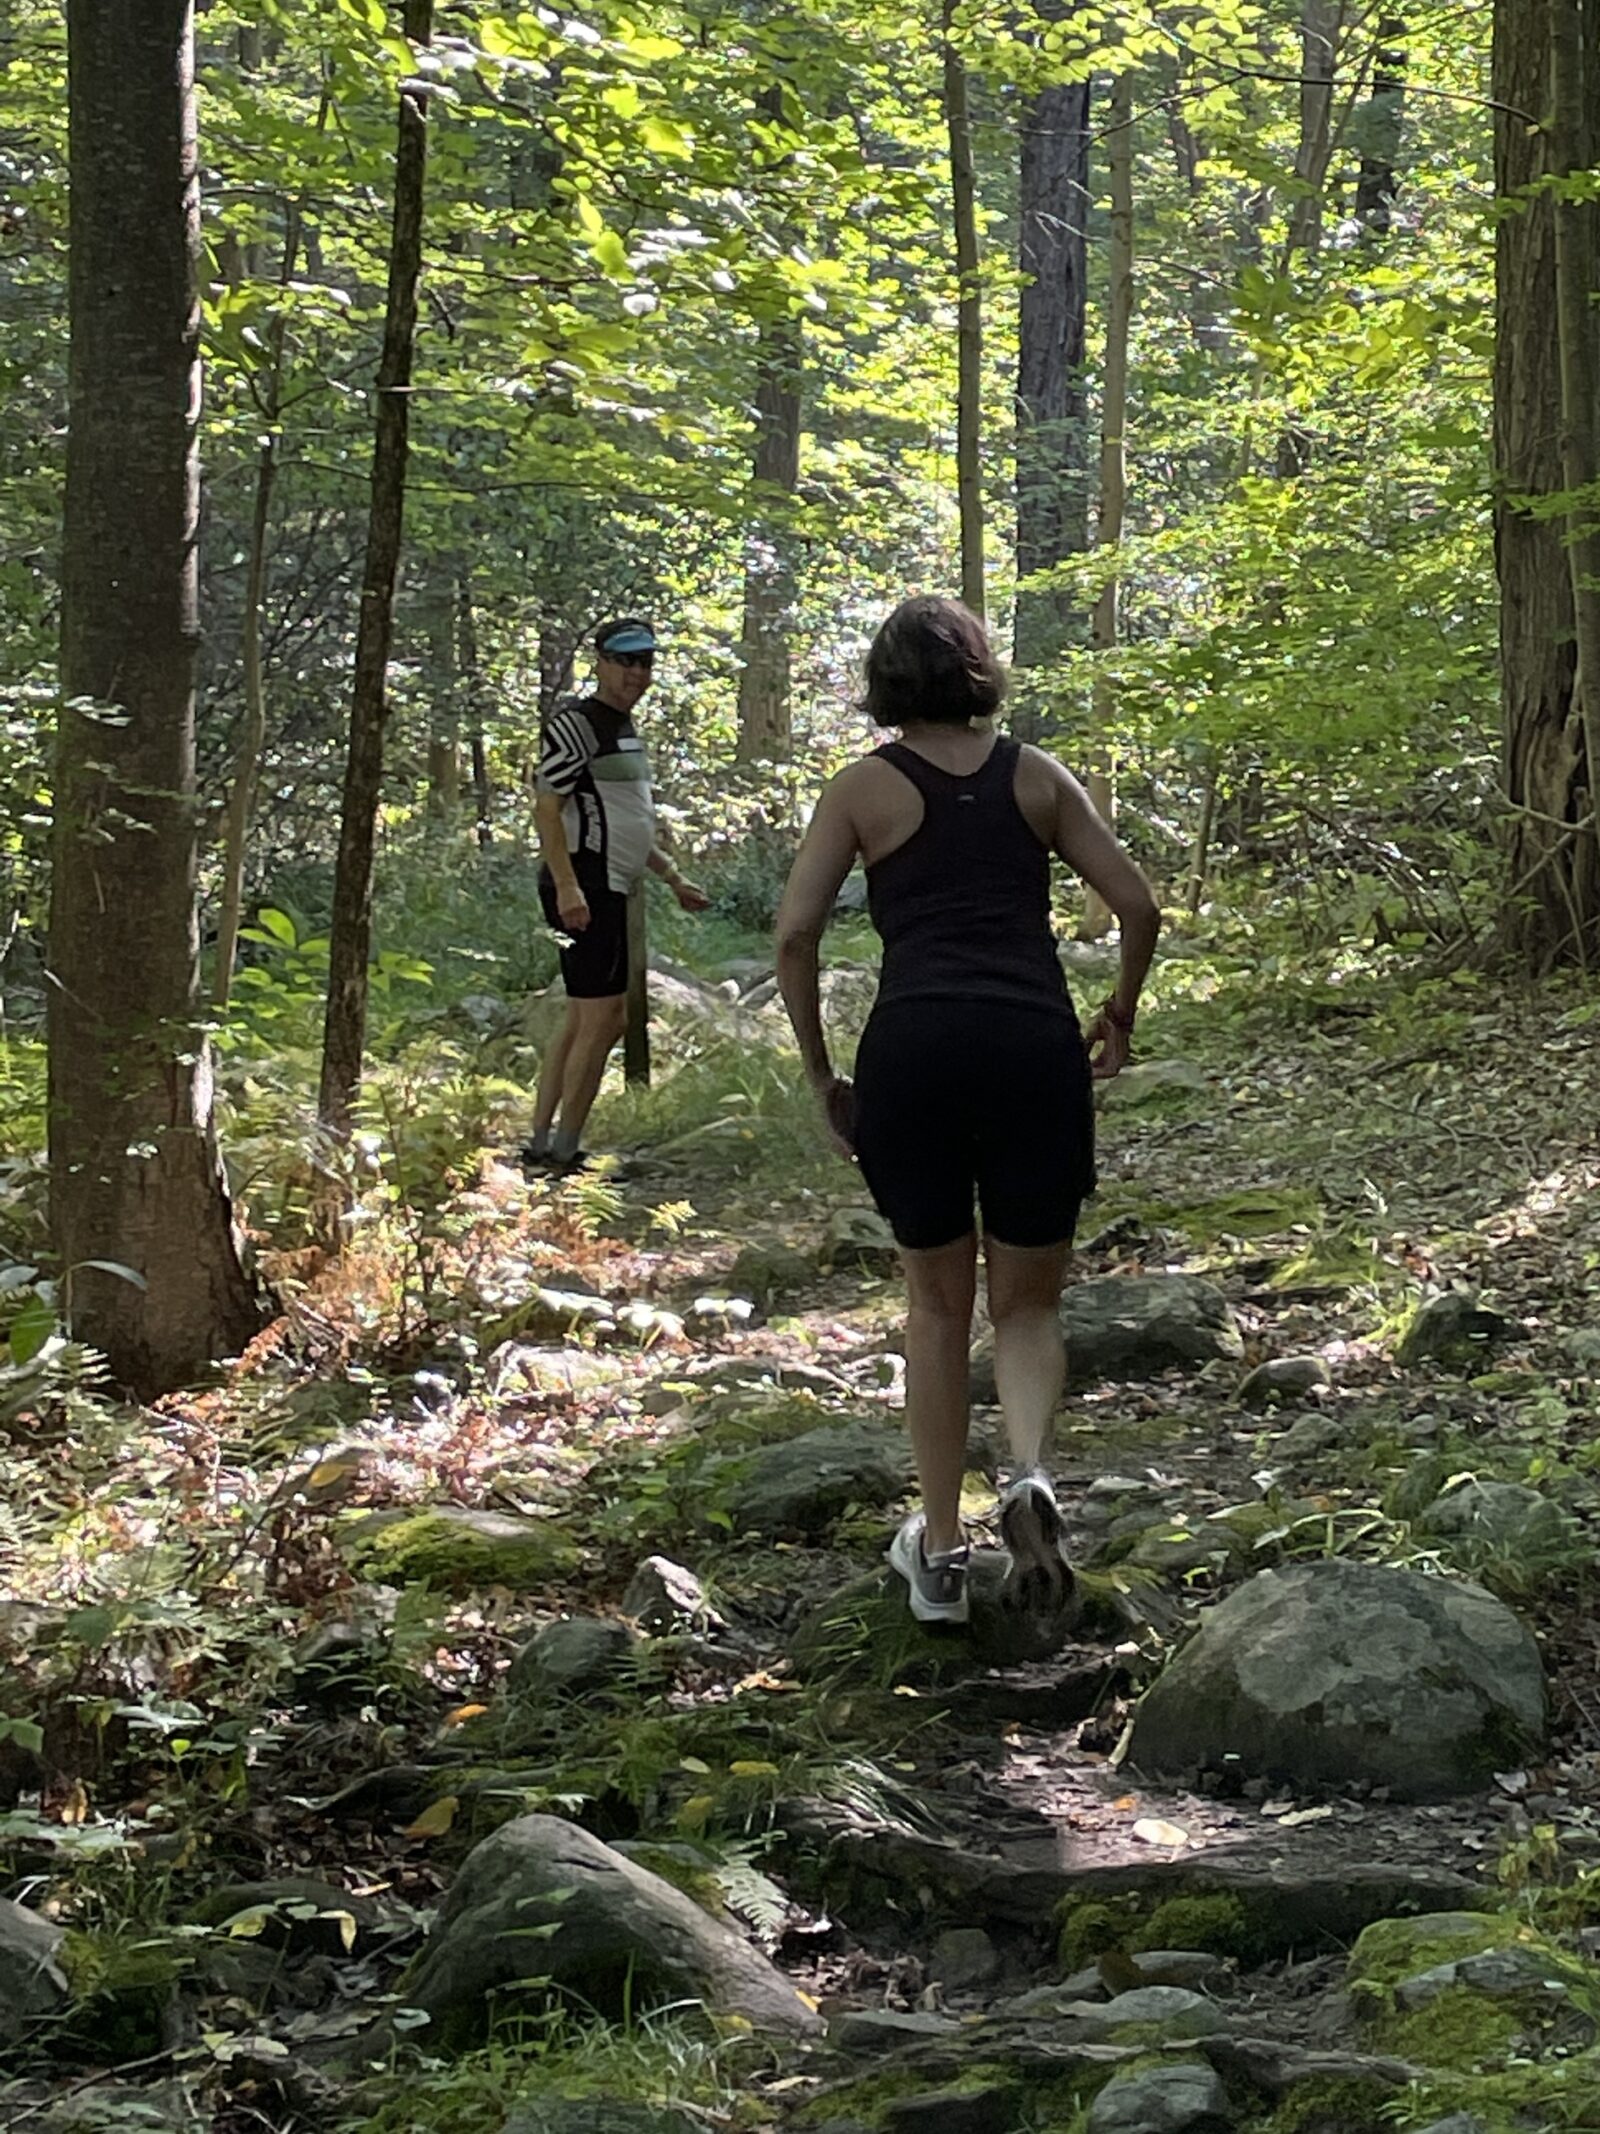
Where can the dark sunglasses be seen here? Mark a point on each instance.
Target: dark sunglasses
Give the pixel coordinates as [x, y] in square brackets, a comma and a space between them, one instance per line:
[632, 659]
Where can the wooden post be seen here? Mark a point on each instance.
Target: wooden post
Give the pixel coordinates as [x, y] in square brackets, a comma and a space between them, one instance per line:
[636, 1037]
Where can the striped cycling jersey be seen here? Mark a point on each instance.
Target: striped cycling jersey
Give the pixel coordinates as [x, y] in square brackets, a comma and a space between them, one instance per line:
[592, 759]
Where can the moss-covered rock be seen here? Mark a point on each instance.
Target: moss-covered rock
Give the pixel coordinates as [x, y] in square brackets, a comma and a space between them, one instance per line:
[122, 1987]
[457, 1549]
[1465, 1990]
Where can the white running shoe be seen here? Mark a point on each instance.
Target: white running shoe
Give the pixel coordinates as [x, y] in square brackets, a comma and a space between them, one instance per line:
[1040, 1580]
[938, 1583]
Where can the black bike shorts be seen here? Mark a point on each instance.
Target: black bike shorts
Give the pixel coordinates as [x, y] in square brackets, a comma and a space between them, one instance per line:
[594, 964]
[959, 1101]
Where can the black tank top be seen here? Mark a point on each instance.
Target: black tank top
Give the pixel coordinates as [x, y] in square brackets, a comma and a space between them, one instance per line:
[963, 906]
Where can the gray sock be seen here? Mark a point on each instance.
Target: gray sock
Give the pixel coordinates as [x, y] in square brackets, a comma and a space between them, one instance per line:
[565, 1146]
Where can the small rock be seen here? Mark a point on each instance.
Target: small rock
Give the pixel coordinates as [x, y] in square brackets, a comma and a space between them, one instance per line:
[458, 1548]
[1186, 2098]
[719, 1315]
[859, 1238]
[964, 1959]
[1193, 1968]
[1502, 1516]
[797, 1489]
[1284, 1378]
[31, 1982]
[1452, 1328]
[610, 1934]
[567, 1657]
[764, 1273]
[663, 1596]
[597, 2115]
[1149, 1078]
[864, 2032]
[965, 2111]
[1171, 2009]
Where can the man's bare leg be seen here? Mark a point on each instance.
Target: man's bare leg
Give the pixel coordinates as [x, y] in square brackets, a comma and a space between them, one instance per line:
[552, 1076]
[597, 1027]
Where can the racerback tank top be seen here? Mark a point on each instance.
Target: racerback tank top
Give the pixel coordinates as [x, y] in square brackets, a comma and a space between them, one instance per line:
[963, 906]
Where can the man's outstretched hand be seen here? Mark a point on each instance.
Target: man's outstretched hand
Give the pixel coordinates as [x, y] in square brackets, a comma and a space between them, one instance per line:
[690, 895]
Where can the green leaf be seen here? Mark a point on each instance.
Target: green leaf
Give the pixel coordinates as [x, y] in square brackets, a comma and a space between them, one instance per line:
[278, 924]
[31, 1329]
[611, 256]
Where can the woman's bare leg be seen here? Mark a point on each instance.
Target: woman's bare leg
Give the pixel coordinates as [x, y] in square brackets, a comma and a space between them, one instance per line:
[1030, 1358]
[940, 1288]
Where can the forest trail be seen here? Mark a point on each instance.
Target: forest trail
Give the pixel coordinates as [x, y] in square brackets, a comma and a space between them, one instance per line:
[942, 1842]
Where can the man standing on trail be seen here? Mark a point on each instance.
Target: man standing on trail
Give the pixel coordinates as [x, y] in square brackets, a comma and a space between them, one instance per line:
[597, 832]
[973, 1080]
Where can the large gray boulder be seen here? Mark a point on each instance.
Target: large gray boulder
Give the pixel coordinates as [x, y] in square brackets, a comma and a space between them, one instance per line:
[543, 1906]
[1129, 1326]
[1327, 1672]
[32, 1983]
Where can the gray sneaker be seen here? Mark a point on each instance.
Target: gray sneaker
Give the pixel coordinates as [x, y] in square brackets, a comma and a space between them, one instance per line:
[1040, 1580]
[938, 1583]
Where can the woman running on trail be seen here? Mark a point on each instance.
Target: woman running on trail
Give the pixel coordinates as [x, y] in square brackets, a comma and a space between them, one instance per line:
[972, 1077]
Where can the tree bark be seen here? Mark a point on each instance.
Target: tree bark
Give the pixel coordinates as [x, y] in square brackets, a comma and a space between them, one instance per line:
[1320, 24]
[969, 322]
[1382, 122]
[1573, 83]
[253, 736]
[350, 932]
[1106, 625]
[471, 670]
[136, 1180]
[765, 733]
[1051, 412]
[1552, 910]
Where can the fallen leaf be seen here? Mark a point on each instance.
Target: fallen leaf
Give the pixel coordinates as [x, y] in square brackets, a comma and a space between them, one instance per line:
[346, 1922]
[752, 1770]
[462, 1713]
[435, 1820]
[1152, 1830]
[1305, 1815]
[75, 1808]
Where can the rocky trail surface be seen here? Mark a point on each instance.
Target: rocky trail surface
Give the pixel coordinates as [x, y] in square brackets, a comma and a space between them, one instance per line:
[606, 1704]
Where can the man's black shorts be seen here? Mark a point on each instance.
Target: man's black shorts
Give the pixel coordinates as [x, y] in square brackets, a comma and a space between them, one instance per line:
[594, 964]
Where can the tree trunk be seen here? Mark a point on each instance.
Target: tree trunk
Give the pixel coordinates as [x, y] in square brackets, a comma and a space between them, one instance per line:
[1553, 865]
[444, 704]
[1320, 24]
[136, 1180]
[764, 728]
[969, 322]
[350, 932]
[1573, 84]
[1052, 472]
[472, 682]
[253, 736]
[1105, 627]
[1381, 124]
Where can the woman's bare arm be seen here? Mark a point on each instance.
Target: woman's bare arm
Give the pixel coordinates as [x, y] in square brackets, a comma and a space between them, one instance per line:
[826, 856]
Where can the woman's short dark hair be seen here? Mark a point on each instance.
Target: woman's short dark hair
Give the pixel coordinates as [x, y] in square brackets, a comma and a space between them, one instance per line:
[931, 660]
